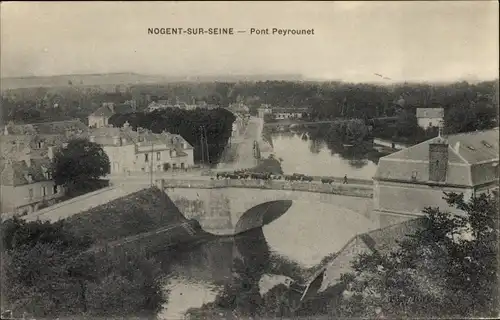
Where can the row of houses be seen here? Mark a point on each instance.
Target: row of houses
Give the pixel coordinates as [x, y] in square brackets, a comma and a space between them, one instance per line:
[27, 152]
[164, 104]
[282, 113]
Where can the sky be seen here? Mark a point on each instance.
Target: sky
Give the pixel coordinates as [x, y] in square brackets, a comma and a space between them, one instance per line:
[403, 41]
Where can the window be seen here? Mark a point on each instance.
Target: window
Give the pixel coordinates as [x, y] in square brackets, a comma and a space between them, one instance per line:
[55, 190]
[30, 193]
[40, 144]
[44, 191]
[471, 148]
[158, 156]
[146, 157]
[486, 144]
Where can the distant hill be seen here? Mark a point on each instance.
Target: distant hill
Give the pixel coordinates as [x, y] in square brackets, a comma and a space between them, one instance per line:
[245, 77]
[110, 79]
[114, 79]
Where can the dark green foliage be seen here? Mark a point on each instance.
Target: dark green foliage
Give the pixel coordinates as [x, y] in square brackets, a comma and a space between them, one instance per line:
[48, 271]
[79, 164]
[190, 124]
[448, 268]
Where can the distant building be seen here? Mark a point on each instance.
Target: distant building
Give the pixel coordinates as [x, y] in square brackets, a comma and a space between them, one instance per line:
[164, 104]
[264, 109]
[430, 117]
[412, 179]
[282, 113]
[289, 113]
[101, 116]
[141, 150]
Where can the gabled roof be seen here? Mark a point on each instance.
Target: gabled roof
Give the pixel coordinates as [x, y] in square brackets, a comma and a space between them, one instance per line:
[15, 173]
[471, 159]
[430, 112]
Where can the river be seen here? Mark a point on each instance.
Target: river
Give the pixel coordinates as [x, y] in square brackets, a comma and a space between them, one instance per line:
[285, 250]
[314, 158]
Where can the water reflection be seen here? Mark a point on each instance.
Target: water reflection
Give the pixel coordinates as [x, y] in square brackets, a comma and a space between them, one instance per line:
[234, 272]
[303, 154]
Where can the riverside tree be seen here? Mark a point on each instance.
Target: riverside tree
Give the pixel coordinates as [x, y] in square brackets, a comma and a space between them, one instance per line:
[447, 268]
[80, 165]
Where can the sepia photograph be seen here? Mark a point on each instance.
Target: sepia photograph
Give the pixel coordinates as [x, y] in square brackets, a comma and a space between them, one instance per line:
[169, 160]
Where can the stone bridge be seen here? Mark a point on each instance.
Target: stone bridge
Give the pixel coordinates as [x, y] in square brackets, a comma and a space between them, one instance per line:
[219, 205]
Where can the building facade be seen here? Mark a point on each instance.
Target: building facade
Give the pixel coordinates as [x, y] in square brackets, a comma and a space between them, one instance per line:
[430, 117]
[132, 151]
[27, 186]
[101, 116]
[25, 159]
[412, 179]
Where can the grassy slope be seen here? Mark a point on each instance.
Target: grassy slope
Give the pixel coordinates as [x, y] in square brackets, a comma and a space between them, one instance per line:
[142, 211]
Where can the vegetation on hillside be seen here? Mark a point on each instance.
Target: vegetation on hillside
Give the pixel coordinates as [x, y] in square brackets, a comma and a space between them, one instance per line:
[215, 124]
[49, 272]
[448, 268]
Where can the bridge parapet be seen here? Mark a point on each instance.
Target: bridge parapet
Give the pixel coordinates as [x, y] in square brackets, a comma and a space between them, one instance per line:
[353, 190]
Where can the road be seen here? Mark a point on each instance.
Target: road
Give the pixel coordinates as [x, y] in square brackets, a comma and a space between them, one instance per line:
[244, 152]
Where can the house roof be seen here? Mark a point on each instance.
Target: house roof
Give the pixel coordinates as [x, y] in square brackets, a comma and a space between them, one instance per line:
[471, 160]
[15, 173]
[109, 110]
[106, 136]
[45, 128]
[430, 112]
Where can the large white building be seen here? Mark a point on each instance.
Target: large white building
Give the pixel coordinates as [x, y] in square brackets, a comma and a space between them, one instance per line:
[412, 179]
[430, 117]
[141, 150]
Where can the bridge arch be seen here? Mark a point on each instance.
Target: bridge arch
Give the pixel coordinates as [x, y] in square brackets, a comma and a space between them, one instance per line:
[220, 210]
[261, 214]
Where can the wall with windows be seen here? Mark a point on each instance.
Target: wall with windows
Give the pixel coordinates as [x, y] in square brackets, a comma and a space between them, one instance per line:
[27, 198]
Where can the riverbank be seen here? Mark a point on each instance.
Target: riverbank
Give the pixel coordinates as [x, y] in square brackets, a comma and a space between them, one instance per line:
[100, 262]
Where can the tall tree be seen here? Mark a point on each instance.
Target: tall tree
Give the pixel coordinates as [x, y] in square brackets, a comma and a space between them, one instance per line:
[79, 164]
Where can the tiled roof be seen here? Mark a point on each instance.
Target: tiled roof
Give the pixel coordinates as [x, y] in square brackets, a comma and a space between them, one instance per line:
[105, 136]
[430, 112]
[471, 160]
[44, 128]
[16, 173]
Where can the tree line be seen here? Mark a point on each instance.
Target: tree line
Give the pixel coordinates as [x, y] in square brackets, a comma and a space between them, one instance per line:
[467, 106]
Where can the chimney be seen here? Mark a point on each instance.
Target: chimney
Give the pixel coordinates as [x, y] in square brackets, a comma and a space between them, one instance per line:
[50, 152]
[438, 160]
